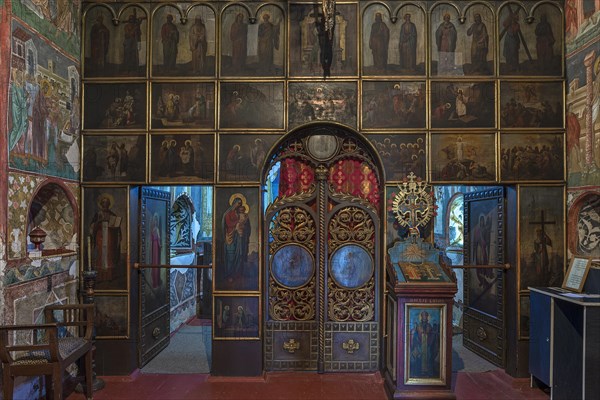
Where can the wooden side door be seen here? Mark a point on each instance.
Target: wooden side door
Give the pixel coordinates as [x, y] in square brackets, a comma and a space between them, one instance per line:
[154, 293]
[483, 317]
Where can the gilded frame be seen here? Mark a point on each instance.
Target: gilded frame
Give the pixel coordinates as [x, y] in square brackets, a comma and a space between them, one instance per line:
[114, 106]
[304, 62]
[578, 270]
[124, 156]
[103, 321]
[412, 313]
[274, 61]
[415, 21]
[393, 105]
[190, 161]
[530, 104]
[466, 158]
[462, 104]
[185, 60]
[318, 101]
[182, 106]
[227, 322]
[522, 63]
[230, 217]
[241, 157]
[532, 157]
[114, 61]
[252, 105]
[116, 210]
[401, 154]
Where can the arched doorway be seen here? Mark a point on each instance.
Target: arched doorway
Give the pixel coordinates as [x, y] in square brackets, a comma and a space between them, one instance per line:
[322, 264]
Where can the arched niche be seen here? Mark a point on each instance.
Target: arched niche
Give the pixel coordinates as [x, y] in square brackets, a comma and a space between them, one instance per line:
[53, 208]
[584, 235]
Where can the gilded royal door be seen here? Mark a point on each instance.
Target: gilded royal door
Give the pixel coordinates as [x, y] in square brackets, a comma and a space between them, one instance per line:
[322, 258]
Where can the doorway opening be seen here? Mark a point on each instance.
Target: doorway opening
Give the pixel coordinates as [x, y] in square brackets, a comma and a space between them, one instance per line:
[469, 230]
[186, 281]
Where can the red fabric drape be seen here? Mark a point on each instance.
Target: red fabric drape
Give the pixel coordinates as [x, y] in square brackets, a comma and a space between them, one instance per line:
[356, 178]
[295, 177]
[346, 176]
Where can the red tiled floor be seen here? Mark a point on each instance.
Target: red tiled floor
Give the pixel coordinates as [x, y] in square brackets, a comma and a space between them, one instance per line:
[495, 385]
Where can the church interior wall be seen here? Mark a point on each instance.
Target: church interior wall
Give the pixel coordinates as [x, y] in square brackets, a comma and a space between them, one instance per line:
[227, 105]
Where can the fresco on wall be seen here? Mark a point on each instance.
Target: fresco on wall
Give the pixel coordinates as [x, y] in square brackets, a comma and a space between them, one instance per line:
[531, 157]
[584, 236]
[236, 239]
[393, 48]
[254, 48]
[183, 49]
[331, 101]
[401, 155]
[582, 23]
[251, 105]
[530, 47]
[52, 211]
[463, 105]
[115, 50]
[183, 105]
[531, 104]
[114, 158]
[462, 48]
[182, 158]
[541, 236]
[397, 105]
[114, 106]
[58, 20]
[241, 157]
[310, 51]
[583, 116]
[21, 189]
[463, 157]
[43, 102]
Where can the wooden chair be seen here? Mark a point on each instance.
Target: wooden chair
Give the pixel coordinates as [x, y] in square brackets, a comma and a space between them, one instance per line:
[32, 350]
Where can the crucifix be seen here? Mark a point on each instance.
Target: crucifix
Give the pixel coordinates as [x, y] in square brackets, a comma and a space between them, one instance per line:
[541, 241]
[413, 205]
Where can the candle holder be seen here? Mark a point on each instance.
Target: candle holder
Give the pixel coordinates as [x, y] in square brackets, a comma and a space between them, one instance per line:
[89, 283]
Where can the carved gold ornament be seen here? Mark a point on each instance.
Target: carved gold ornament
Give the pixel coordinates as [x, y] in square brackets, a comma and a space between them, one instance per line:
[291, 346]
[414, 204]
[357, 305]
[350, 346]
[292, 304]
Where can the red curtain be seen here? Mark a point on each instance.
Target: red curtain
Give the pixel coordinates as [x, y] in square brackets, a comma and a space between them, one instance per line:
[346, 176]
[295, 177]
[356, 178]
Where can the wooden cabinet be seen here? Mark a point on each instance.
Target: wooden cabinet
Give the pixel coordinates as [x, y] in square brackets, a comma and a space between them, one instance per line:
[564, 351]
[418, 336]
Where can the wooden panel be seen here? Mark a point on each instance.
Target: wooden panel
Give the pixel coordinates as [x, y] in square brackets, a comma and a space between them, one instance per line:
[539, 344]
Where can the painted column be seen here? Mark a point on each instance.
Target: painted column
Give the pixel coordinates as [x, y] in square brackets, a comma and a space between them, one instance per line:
[5, 56]
[589, 123]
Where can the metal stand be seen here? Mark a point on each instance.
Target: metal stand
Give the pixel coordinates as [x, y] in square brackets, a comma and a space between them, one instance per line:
[89, 282]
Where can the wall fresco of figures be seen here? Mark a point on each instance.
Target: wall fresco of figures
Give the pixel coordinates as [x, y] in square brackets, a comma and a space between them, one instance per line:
[582, 36]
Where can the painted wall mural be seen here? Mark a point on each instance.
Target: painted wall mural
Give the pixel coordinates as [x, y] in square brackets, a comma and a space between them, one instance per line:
[44, 118]
[57, 20]
[582, 30]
